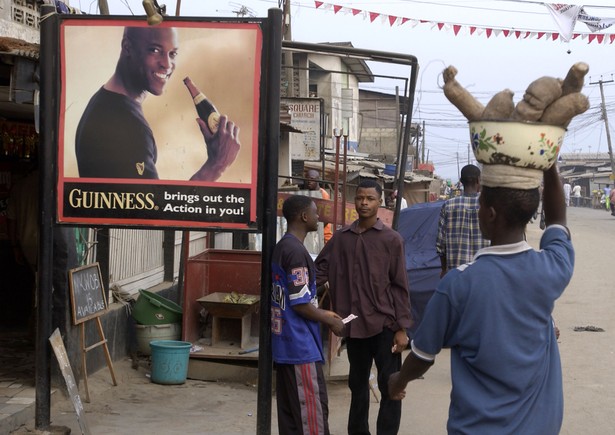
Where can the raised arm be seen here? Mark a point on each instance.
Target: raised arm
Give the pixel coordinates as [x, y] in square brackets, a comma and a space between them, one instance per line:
[554, 202]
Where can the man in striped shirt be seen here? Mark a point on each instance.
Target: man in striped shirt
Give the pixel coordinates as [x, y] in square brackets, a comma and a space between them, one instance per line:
[459, 235]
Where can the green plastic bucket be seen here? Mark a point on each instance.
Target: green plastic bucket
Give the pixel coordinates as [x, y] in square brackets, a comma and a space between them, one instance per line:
[152, 309]
[170, 361]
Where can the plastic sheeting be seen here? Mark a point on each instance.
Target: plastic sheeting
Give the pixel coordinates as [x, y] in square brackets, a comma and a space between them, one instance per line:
[418, 225]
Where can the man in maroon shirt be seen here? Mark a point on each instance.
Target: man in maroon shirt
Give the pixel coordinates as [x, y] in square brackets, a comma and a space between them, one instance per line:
[364, 264]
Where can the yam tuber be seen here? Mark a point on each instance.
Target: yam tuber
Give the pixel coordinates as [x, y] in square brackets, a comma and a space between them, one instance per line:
[501, 106]
[562, 110]
[574, 79]
[539, 94]
[469, 106]
[543, 91]
[526, 112]
[548, 100]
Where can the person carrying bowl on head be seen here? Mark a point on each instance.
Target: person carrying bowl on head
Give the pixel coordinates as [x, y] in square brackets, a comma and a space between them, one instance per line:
[495, 316]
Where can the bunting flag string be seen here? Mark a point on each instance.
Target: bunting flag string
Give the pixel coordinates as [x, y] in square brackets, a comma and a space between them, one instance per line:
[473, 30]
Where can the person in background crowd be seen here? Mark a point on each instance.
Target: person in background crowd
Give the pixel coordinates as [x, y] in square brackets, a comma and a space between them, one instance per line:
[301, 391]
[495, 316]
[567, 190]
[364, 264]
[576, 194]
[459, 236]
[392, 199]
[312, 184]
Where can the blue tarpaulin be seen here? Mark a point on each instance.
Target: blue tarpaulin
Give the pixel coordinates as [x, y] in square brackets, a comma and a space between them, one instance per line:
[418, 225]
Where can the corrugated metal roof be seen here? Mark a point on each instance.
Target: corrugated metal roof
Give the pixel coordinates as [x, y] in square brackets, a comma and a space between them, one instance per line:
[284, 126]
[369, 169]
[585, 175]
[18, 47]
[584, 156]
[357, 66]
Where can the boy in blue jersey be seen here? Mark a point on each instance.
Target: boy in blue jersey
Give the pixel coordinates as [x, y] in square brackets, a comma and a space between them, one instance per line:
[495, 316]
[301, 391]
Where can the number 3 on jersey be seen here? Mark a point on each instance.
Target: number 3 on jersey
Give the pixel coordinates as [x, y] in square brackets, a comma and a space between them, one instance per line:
[276, 320]
[300, 276]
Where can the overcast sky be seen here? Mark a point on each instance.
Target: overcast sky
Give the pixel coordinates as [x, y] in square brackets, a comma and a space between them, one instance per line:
[486, 65]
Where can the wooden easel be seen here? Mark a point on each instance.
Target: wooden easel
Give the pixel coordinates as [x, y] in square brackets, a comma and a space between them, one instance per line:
[89, 303]
[85, 349]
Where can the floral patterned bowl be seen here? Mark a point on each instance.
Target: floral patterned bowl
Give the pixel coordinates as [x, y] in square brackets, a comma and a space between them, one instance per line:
[516, 143]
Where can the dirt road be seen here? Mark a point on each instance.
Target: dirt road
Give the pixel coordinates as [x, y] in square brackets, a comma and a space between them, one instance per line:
[137, 406]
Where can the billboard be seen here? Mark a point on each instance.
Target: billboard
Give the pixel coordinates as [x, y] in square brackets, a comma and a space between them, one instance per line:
[158, 125]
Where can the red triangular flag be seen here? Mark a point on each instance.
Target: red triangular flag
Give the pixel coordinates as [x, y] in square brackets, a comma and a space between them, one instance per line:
[600, 38]
[576, 35]
[356, 11]
[472, 30]
[424, 21]
[591, 38]
[527, 34]
[392, 19]
[440, 25]
[373, 16]
[318, 4]
[489, 33]
[540, 35]
[517, 34]
[555, 36]
[612, 38]
[506, 33]
[456, 28]
[336, 8]
[403, 20]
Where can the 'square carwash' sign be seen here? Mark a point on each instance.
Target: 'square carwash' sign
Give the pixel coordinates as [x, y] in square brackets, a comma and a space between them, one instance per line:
[158, 125]
[307, 116]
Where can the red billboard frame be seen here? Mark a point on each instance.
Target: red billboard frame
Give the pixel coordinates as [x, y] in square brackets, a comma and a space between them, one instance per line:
[224, 59]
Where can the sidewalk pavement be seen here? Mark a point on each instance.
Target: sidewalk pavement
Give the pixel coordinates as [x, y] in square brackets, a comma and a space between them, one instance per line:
[137, 406]
[16, 403]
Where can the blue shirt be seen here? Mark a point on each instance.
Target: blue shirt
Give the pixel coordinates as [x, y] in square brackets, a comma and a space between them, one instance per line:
[495, 316]
[294, 339]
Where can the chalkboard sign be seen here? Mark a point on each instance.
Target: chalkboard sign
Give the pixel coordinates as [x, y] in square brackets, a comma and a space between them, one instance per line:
[87, 294]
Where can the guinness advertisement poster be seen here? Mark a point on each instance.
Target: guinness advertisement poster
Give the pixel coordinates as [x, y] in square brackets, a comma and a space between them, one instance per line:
[158, 125]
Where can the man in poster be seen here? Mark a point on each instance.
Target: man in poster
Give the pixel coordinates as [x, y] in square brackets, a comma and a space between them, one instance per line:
[113, 138]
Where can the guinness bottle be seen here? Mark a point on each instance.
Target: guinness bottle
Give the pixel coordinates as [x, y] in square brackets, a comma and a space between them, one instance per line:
[205, 108]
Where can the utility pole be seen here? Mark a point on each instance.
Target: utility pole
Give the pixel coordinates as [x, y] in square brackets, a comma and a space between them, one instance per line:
[287, 55]
[103, 7]
[606, 125]
[457, 157]
[423, 144]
